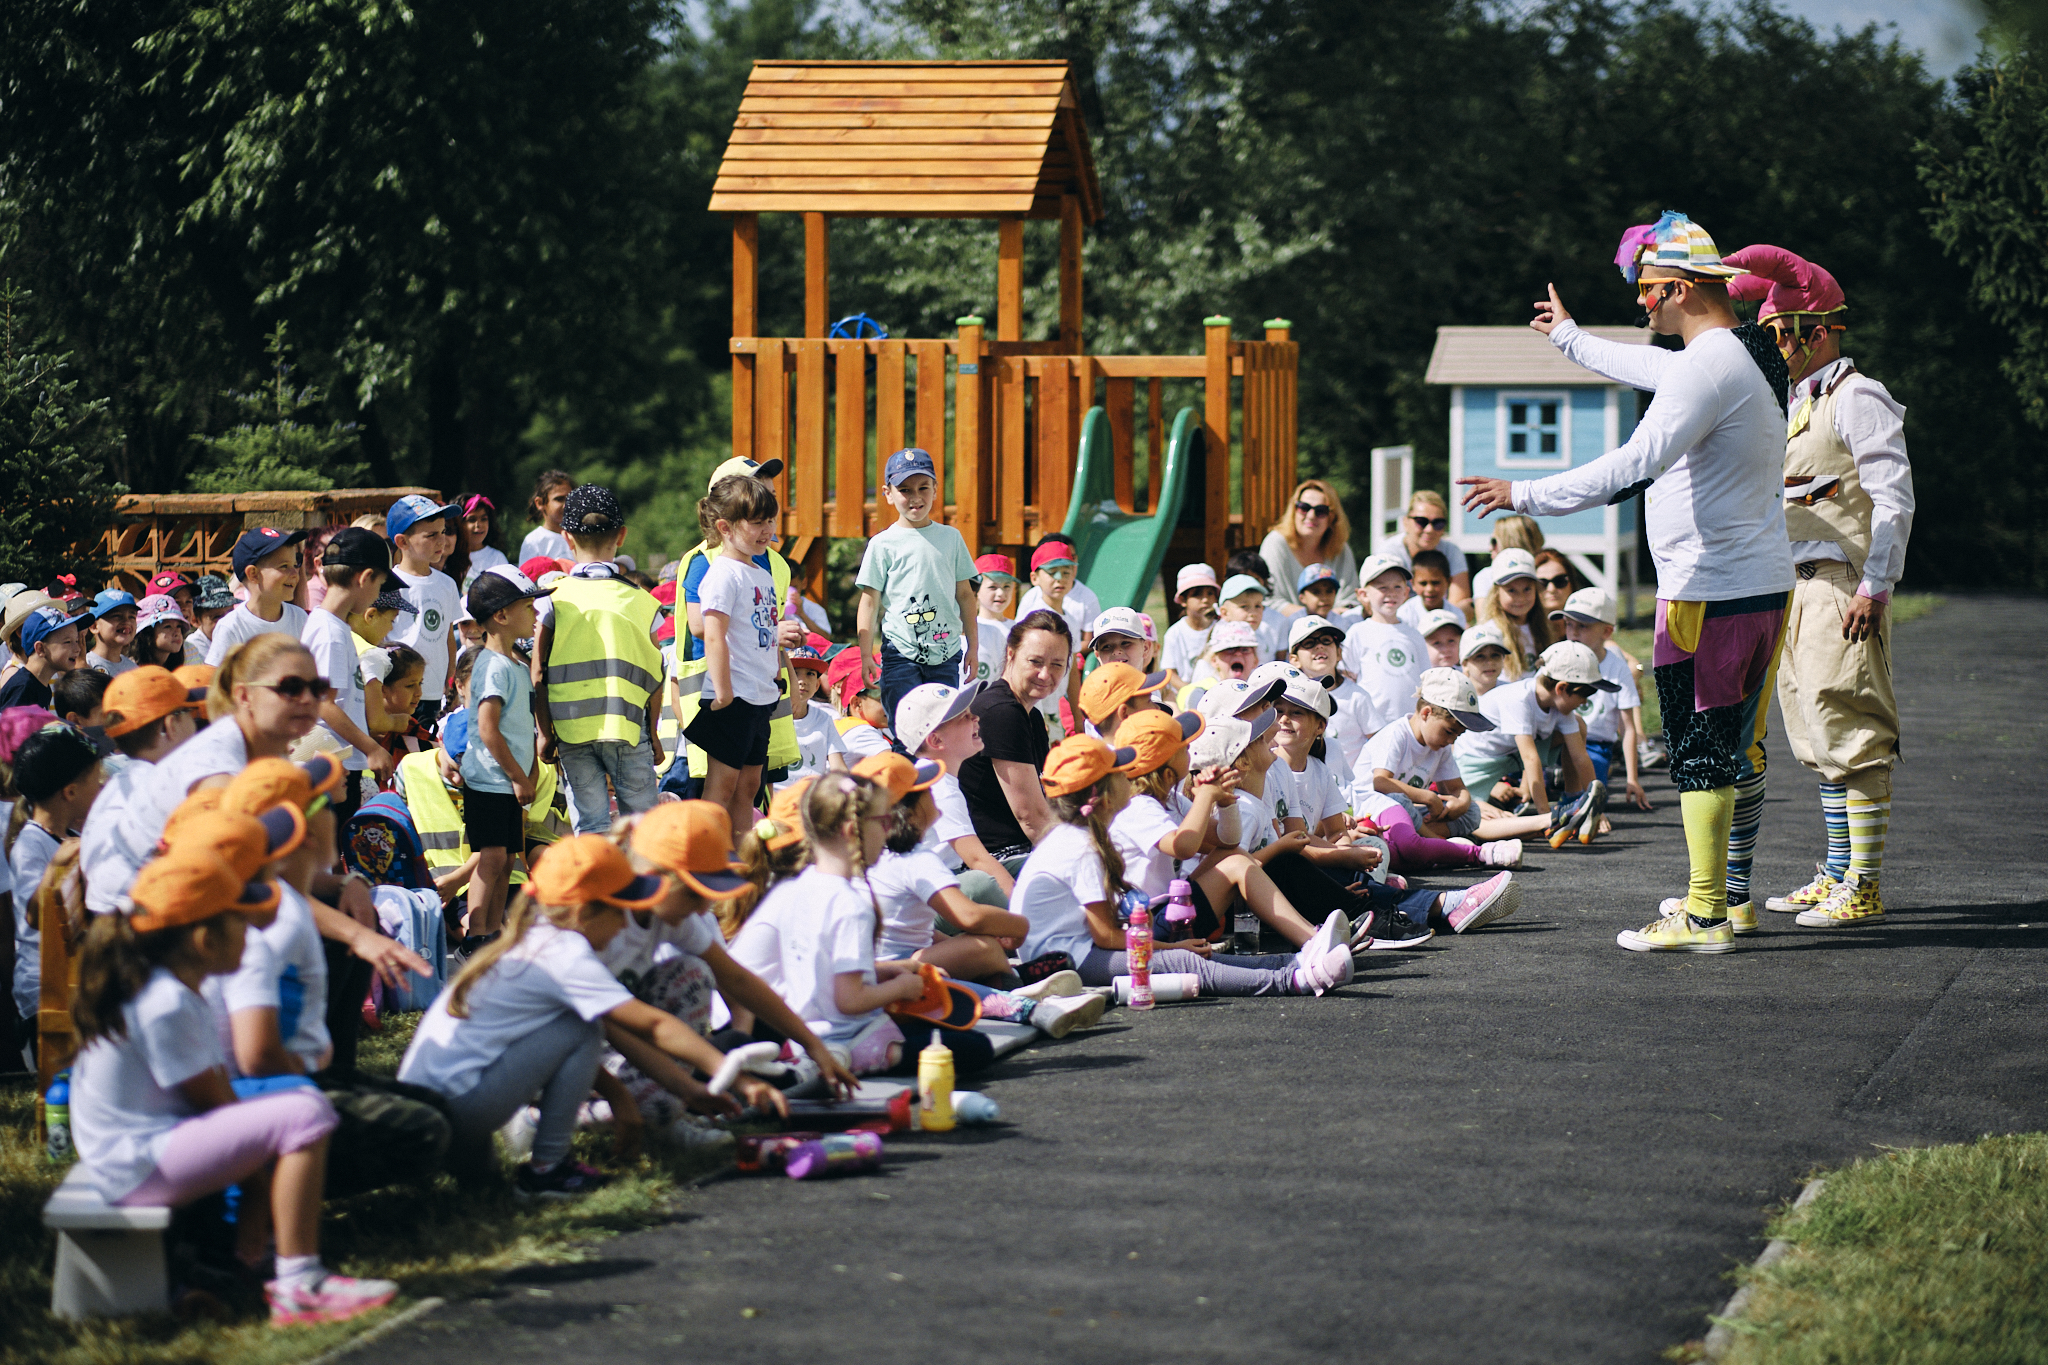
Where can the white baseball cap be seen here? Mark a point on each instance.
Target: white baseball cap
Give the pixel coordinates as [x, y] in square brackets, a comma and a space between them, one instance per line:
[740, 464]
[1232, 697]
[1588, 606]
[1379, 564]
[928, 706]
[1310, 624]
[1193, 576]
[1123, 621]
[1224, 738]
[1479, 637]
[1434, 621]
[1453, 691]
[1513, 564]
[1232, 635]
[1568, 661]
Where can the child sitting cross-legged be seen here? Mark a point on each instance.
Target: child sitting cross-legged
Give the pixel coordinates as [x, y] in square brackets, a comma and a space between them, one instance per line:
[1407, 782]
[1305, 796]
[1507, 762]
[1316, 646]
[1614, 720]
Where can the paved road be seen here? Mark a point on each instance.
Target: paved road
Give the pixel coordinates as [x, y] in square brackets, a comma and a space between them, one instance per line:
[1525, 1146]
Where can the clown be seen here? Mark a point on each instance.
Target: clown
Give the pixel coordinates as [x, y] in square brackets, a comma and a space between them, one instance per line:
[1848, 511]
[1708, 457]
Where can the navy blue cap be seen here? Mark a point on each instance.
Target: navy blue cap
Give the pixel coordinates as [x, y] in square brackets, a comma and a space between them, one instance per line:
[907, 462]
[258, 542]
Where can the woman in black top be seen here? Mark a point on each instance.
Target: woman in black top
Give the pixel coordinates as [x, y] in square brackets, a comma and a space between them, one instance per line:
[1004, 798]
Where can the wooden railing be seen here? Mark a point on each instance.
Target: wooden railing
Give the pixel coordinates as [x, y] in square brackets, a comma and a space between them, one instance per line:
[1002, 419]
[194, 533]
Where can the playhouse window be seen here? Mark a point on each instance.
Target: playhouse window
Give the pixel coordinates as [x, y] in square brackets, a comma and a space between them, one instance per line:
[1533, 430]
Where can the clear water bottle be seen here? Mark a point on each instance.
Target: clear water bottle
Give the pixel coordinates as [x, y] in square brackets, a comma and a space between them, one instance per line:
[1244, 932]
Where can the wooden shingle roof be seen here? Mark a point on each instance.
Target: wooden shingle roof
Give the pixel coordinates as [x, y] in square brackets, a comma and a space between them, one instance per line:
[908, 140]
[1514, 355]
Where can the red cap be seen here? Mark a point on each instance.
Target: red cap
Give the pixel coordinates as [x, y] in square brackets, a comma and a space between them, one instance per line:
[538, 565]
[999, 566]
[1051, 552]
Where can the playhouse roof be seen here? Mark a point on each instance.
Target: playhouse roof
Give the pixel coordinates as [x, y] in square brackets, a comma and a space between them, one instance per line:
[1514, 355]
[909, 140]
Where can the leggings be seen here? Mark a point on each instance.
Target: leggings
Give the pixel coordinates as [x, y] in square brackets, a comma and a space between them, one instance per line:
[1414, 852]
[559, 1060]
[227, 1145]
[1220, 975]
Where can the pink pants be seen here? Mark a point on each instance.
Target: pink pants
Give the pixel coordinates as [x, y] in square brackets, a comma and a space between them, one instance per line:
[229, 1144]
[1414, 852]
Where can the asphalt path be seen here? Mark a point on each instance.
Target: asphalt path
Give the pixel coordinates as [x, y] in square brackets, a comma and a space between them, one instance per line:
[1525, 1145]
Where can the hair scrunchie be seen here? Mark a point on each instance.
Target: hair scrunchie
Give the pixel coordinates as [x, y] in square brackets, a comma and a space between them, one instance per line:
[766, 829]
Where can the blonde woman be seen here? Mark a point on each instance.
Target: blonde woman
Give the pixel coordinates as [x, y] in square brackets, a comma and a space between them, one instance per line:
[1312, 530]
[1422, 528]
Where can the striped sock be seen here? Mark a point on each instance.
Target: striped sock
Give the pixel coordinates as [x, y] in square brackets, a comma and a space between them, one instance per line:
[1868, 819]
[1834, 811]
[1749, 814]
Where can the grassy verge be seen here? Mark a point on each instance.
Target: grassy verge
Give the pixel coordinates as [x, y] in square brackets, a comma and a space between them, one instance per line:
[433, 1240]
[1933, 1255]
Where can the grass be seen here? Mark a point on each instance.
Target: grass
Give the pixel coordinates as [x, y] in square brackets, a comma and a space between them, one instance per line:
[435, 1240]
[1933, 1255]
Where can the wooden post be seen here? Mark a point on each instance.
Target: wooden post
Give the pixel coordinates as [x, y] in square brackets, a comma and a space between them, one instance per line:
[889, 404]
[1071, 233]
[1155, 438]
[771, 426]
[970, 496]
[807, 467]
[746, 322]
[1009, 491]
[1216, 441]
[850, 438]
[1056, 437]
[817, 275]
[1010, 279]
[1286, 399]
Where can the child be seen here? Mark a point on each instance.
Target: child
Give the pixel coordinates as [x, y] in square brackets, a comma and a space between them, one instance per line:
[995, 591]
[863, 722]
[424, 533]
[1408, 782]
[1315, 646]
[1078, 596]
[392, 677]
[1443, 632]
[1187, 639]
[479, 524]
[600, 709]
[1073, 890]
[174, 585]
[742, 653]
[149, 712]
[1053, 570]
[1525, 712]
[355, 566]
[76, 697]
[57, 774]
[1509, 604]
[152, 1112]
[1483, 655]
[817, 737]
[1233, 652]
[550, 501]
[938, 723]
[160, 626]
[1244, 601]
[1385, 656]
[1306, 797]
[1614, 720]
[1430, 576]
[498, 768]
[267, 563]
[531, 1011]
[1114, 693]
[114, 619]
[1123, 636]
[212, 600]
[1317, 589]
[49, 646]
[917, 577]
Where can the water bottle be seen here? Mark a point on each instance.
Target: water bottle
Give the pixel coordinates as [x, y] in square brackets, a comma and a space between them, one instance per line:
[1180, 902]
[1138, 956]
[57, 1118]
[1244, 926]
[973, 1107]
[833, 1154]
[1167, 987]
[935, 1087]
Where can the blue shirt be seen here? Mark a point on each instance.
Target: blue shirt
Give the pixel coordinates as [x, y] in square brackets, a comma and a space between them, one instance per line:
[495, 675]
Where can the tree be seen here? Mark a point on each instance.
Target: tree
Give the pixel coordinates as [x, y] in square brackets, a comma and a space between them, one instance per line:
[275, 449]
[53, 445]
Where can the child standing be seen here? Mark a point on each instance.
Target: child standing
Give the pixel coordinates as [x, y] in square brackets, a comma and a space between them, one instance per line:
[499, 771]
[424, 533]
[355, 567]
[1187, 639]
[267, 563]
[1614, 720]
[1386, 656]
[114, 618]
[479, 524]
[917, 578]
[995, 592]
[742, 653]
[212, 600]
[57, 773]
[817, 737]
[549, 502]
[1078, 596]
[1053, 570]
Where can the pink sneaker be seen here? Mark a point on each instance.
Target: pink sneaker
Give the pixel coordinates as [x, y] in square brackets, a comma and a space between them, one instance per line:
[876, 1047]
[1478, 906]
[336, 1298]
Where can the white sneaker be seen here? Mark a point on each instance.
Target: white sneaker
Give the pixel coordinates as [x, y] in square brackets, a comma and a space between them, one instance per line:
[1336, 929]
[1504, 853]
[1062, 1014]
[518, 1132]
[1058, 984]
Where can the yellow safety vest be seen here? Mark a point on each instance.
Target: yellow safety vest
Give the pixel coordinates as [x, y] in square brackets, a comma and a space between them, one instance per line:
[602, 666]
[436, 814]
[782, 746]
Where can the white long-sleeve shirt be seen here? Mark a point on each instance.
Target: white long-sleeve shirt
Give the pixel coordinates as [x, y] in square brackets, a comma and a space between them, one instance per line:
[1713, 441]
[1873, 425]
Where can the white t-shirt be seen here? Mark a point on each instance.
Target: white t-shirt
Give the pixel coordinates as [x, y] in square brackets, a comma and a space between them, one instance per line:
[1082, 605]
[1255, 825]
[1058, 881]
[242, 624]
[33, 849]
[904, 884]
[1273, 635]
[1396, 749]
[333, 647]
[863, 740]
[427, 630]
[1312, 795]
[745, 594]
[287, 951]
[954, 822]
[1389, 661]
[817, 739]
[102, 843]
[124, 1098]
[808, 931]
[549, 972]
[480, 561]
[113, 668]
[1136, 832]
[541, 541]
[992, 643]
[1351, 723]
[1412, 611]
[1397, 548]
[1602, 711]
[219, 748]
[638, 948]
[1513, 708]
[1182, 648]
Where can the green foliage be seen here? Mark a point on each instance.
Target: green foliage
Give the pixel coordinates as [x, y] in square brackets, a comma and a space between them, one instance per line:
[54, 443]
[273, 449]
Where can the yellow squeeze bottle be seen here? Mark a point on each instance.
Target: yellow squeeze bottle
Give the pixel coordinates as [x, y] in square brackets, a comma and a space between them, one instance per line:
[935, 1087]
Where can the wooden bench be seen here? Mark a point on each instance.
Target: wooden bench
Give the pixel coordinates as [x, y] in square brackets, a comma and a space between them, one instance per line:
[110, 1260]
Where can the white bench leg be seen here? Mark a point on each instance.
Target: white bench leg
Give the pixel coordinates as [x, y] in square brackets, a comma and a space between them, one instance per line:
[108, 1274]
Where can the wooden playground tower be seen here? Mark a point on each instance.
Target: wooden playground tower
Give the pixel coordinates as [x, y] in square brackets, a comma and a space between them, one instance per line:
[1001, 415]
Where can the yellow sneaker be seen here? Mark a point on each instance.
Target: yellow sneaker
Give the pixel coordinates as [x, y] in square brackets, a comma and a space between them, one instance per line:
[1806, 897]
[1742, 918]
[1678, 933]
[1854, 902]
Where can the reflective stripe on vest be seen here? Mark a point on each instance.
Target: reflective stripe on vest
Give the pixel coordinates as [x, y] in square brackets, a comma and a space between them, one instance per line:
[602, 662]
[434, 813]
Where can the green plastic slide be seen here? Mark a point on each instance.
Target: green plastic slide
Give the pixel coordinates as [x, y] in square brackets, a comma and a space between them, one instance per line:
[1119, 553]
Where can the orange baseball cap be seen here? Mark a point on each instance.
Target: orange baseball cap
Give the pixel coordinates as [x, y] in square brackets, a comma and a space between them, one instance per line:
[198, 677]
[248, 842]
[195, 884]
[1155, 737]
[897, 775]
[1078, 762]
[143, 695]
[693, 840]
[271, 782]
[1111, 685]
[590, 867]
[202, 802]
[785, 822]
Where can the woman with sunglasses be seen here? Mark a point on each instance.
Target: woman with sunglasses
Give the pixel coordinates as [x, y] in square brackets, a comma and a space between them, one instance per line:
[1422, 528]
[1556, 581]
[1313, 530]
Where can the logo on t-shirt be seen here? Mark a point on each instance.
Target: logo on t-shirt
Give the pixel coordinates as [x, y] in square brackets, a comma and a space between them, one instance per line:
[432, 620]
[1397, 657]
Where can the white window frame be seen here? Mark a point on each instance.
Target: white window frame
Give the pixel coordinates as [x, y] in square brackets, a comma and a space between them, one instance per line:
[1504, 458]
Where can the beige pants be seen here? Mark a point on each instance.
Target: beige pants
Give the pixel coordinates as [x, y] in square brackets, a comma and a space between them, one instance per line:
[1841, 718]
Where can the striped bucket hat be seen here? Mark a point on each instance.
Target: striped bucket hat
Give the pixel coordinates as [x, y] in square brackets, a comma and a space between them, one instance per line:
[1673, 242]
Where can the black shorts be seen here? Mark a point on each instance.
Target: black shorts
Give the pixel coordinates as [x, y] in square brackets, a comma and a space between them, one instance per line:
[736, 736]
[493, 820]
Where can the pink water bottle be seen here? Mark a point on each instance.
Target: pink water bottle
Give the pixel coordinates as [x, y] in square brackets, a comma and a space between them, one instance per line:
[1138, 956]
[1180, 902]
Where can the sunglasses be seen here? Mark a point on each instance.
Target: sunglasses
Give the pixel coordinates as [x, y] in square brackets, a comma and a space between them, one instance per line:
[294, 688]
[1313, 509]
[1427, 523]
[1644, 287]
[1560, 581]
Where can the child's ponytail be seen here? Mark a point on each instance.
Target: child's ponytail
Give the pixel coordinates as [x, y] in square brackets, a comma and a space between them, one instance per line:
[831, 802]
[1090, 809]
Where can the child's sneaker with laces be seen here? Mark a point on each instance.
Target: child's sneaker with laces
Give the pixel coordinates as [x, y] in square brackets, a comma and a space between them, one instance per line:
[1854, 902]
[1808, 896]
[1679, 933]
[1741, 917]
[1596, 803]
[566, 1179]
[331, 1298]
[1478, 906]
[1565, 817]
